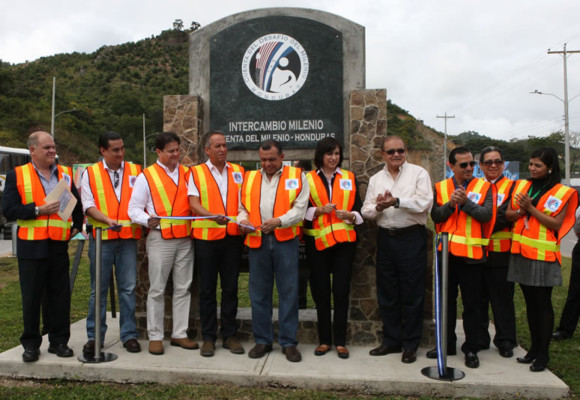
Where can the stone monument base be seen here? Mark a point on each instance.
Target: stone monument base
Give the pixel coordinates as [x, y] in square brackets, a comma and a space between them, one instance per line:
[359, 333]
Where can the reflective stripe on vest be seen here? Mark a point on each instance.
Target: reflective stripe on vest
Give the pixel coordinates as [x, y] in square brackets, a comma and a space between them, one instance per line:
[169, 200]
[534, 240]
[250, 196]
[31, 191]
[107, 203]
[467, 236]
[500, 241]
[211, 199]
[328, 229]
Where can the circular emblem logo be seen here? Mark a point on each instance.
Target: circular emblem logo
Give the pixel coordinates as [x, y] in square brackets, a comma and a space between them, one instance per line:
[275, 66]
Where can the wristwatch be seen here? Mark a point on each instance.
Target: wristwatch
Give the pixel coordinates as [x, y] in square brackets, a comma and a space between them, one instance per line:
[36, 211]
[397, 203]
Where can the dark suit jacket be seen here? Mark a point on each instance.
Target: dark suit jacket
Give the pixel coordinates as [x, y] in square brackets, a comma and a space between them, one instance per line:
[14, 209]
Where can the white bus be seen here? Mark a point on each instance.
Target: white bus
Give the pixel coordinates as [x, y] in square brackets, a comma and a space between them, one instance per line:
[11, 157]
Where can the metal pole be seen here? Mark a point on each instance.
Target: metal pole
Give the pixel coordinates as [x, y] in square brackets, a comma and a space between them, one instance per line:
[446, 117]
[441, 371]
[144, 145]
[99, 356]
[53, 97]
[565, 53]
[14, 239]
[98, 266]
[444, 294]
[566, 123]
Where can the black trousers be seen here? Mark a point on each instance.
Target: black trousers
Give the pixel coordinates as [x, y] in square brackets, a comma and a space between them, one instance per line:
[569, 318]
[212, 258]
[336, 261]
[467, 278]
[401, 272]
[540, 315]
[50, 276]
[498, 292]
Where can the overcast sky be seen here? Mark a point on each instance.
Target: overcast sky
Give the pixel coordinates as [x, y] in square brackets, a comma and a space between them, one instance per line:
[474, 59]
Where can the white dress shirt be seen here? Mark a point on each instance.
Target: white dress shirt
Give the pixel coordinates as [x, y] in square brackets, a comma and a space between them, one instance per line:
[220, 178]
[413, 188]
[87, 197]
[268, 197]
[141, 206]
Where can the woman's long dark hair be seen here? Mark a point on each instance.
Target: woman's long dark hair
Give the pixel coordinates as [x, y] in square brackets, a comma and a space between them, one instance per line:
[549, 156]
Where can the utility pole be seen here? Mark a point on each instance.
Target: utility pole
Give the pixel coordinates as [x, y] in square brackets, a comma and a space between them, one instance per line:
[566, 124]
[446, 117]
[52, 114]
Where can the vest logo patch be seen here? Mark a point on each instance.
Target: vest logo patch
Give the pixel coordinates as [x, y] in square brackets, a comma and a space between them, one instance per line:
[291, 184]
[238, 178]
[346, 184]
[475, 197]
[553, 204]
[132, 180]
[66, 178]
[500, 198]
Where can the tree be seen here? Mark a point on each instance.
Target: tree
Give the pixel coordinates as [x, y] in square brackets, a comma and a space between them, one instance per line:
[194, 26]
[178, 25]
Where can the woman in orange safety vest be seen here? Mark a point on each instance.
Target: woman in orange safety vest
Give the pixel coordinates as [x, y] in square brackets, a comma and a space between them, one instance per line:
[330, 241]
[544, 213]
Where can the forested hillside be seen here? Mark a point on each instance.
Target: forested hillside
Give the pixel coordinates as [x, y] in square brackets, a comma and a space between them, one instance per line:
[110, 89]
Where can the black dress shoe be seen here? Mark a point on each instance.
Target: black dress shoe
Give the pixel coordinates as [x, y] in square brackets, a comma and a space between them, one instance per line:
[383, 350]
[527, 359]
[132, 346]
[538, 366]
[451, 351]
[560, 335]
[471, 360]
[260, 350]
[89, 347]
[292, 354]
[30, 354]
[61, 350]
[409, 356]
[506, 352]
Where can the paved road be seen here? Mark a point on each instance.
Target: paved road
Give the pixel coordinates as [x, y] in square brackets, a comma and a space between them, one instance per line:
[5, 248]
[568, 243]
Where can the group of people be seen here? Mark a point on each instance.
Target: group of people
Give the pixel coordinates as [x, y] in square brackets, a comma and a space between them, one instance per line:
[503, 232]
[500, 232]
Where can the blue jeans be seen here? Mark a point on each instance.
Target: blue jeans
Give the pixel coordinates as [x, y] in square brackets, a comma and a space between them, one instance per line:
[274, 260]
[122, 253]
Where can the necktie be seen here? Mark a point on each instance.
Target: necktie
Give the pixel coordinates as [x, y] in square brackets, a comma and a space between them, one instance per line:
[116, 179]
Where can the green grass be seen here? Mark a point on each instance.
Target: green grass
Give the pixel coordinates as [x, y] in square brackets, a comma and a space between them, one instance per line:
[565, 355]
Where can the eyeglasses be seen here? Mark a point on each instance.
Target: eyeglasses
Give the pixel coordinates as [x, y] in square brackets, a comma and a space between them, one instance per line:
[489, 163]
[393, 151]
[116, 179]
[465, 164]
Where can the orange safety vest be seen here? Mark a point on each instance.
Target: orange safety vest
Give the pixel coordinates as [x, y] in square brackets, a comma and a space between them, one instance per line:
[169, 200]
[467, 236]
[107, 203]
[211, 199]
[328, 229]
[501, 241]
[31, 191]
[289, 187]
[535, 241]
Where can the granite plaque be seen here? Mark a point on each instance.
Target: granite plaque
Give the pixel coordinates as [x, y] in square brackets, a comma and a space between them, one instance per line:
[277, 77]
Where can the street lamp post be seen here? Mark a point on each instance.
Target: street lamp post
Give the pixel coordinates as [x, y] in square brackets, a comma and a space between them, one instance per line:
[145, 145]
[52, 115]
[566, 131]
[54, 118]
